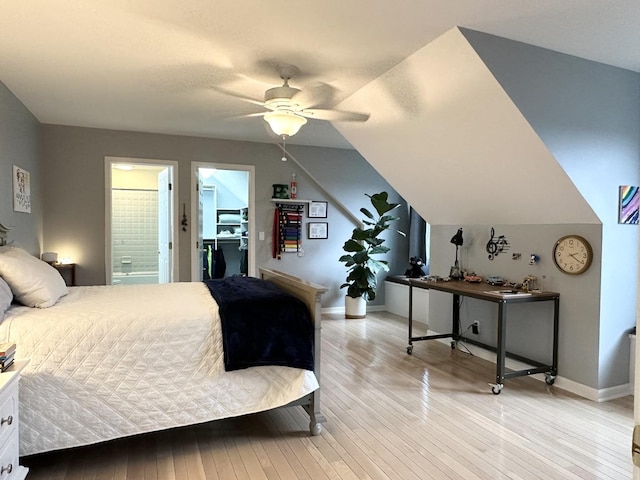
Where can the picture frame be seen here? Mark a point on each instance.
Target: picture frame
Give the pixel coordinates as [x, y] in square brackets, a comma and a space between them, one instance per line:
[317, 230]
[21, 190]
[317, 209]
[629, 204]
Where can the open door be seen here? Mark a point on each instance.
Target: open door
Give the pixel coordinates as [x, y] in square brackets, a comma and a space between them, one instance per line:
[140, 218]
[223, 220]
[165, 226]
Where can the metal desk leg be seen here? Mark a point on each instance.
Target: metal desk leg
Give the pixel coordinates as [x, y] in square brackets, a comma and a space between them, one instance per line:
[410, 346]
[550, 377]
[502, 348]
[455, 319]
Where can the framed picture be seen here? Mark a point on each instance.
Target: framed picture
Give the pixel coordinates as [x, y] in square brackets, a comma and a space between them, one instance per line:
[21, 190]
[317, 230]
[629, 204]
[317, 209]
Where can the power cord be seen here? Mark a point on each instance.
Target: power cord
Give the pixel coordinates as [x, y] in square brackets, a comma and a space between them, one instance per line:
[460, 345]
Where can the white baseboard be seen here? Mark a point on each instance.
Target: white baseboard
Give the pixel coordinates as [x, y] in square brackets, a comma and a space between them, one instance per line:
[339, 310]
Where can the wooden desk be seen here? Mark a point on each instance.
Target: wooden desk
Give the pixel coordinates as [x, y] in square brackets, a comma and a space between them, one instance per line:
[481, 291]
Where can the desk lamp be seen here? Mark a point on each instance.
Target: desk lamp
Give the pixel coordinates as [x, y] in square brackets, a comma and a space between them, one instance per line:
[455, 272]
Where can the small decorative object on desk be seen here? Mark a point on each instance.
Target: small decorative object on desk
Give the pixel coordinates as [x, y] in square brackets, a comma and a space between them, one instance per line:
[415, 268]
[7, 355]
[472, 278]
[495, 280]
[530, 283]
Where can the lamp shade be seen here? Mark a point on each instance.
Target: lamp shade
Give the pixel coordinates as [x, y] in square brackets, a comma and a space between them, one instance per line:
[457, 238]
[284, 122]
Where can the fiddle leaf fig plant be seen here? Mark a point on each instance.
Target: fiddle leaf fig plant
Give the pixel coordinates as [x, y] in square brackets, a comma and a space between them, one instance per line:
[364, 244]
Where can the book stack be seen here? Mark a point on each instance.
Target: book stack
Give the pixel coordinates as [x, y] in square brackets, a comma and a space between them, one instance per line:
[7, 355]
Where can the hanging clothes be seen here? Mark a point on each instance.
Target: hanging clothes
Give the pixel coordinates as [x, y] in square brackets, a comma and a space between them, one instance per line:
[275, 239]
[219, 263]
[206, 263]
[244, 261]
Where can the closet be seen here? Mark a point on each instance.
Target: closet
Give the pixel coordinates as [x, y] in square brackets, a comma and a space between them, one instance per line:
[225, 217]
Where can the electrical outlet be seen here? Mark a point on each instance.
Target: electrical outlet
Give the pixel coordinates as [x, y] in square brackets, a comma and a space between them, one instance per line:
[475, 327]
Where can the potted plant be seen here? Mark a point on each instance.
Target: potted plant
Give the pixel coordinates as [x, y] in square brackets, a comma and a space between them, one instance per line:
[361, 248]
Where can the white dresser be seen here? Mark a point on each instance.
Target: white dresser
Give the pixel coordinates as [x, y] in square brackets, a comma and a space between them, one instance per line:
[10, 468]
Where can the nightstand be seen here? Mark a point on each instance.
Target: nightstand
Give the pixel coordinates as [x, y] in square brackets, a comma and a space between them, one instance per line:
[10, 468]
[68, 272]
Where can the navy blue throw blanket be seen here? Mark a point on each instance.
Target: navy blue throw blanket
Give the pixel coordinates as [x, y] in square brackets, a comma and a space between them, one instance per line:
[262, 324]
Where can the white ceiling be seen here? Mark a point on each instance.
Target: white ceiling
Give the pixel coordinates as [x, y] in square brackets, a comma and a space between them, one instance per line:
[152, 65]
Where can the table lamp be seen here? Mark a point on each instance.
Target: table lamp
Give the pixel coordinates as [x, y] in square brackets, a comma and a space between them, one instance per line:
[457, 240]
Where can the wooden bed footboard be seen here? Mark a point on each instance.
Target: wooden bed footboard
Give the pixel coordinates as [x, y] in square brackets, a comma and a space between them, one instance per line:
[311, 294]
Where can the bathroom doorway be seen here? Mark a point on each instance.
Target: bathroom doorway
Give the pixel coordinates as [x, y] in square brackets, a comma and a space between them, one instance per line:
[140, 218]
[223, 218]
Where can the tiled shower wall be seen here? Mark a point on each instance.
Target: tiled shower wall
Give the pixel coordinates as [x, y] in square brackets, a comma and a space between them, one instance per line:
[134, 230]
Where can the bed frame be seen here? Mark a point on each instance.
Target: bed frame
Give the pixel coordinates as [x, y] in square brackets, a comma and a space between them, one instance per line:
[310, 293]
[4, 230]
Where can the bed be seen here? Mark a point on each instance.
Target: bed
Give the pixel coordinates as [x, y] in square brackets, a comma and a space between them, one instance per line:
[101, 367]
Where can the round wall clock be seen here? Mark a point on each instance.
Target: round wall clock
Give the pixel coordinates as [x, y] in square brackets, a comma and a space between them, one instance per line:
[572, 254]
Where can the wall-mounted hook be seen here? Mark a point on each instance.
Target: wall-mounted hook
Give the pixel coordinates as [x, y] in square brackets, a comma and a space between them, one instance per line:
[184, 221]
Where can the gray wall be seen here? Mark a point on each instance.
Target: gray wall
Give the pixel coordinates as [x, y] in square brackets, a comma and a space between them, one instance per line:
[19, 146]
[588, 115]
[74, 218]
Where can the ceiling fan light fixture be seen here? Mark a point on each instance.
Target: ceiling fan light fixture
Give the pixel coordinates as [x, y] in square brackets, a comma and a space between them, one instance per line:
[284, 122]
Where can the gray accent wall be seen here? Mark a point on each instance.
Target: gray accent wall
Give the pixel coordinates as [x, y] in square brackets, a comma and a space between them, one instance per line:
[19, 146]
[74, 221]
[588, 115]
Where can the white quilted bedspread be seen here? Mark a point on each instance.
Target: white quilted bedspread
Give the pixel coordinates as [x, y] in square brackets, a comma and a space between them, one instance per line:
[154, 361]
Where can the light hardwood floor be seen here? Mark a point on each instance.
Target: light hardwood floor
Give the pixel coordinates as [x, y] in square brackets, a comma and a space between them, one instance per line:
[390, 415]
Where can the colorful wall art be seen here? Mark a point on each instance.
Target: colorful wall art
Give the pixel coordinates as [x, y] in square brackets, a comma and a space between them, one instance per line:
[629, 204]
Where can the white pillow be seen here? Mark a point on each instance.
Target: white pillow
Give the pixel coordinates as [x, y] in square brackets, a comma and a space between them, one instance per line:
[6, 297]
[33, 282]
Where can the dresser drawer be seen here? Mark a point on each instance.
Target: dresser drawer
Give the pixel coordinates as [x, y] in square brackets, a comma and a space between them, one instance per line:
[9, 454]
[8, 411]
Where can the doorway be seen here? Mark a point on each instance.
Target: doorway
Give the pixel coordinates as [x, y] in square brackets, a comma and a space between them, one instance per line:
[140, 218]
[222, 210]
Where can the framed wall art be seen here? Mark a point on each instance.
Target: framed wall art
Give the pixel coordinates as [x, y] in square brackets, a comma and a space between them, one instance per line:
[317, 230]
[317, 209]
[21, 190]
[629, 203]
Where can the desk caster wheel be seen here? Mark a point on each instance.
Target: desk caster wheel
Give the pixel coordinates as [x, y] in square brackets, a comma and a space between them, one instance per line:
[410, 349]
[453, 344]
[549, 379]
[496, 388]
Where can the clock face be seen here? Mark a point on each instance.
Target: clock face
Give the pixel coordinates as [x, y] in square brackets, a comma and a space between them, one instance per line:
[572, 254]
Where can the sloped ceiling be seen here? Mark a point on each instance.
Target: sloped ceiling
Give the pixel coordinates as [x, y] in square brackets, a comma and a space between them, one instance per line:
[446, 136]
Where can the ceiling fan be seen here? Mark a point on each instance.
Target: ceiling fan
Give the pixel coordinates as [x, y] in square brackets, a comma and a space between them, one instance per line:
[290, 107]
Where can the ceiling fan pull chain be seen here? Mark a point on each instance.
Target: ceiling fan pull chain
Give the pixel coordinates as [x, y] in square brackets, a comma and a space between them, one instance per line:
[284, 148]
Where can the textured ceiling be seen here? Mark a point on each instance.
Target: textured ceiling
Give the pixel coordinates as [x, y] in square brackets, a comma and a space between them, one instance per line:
[164, 66]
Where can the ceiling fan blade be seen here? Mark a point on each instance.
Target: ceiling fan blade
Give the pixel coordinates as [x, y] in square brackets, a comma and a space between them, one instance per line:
[250, 115]
[334, 115]
[319, 94]
[240, 96]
